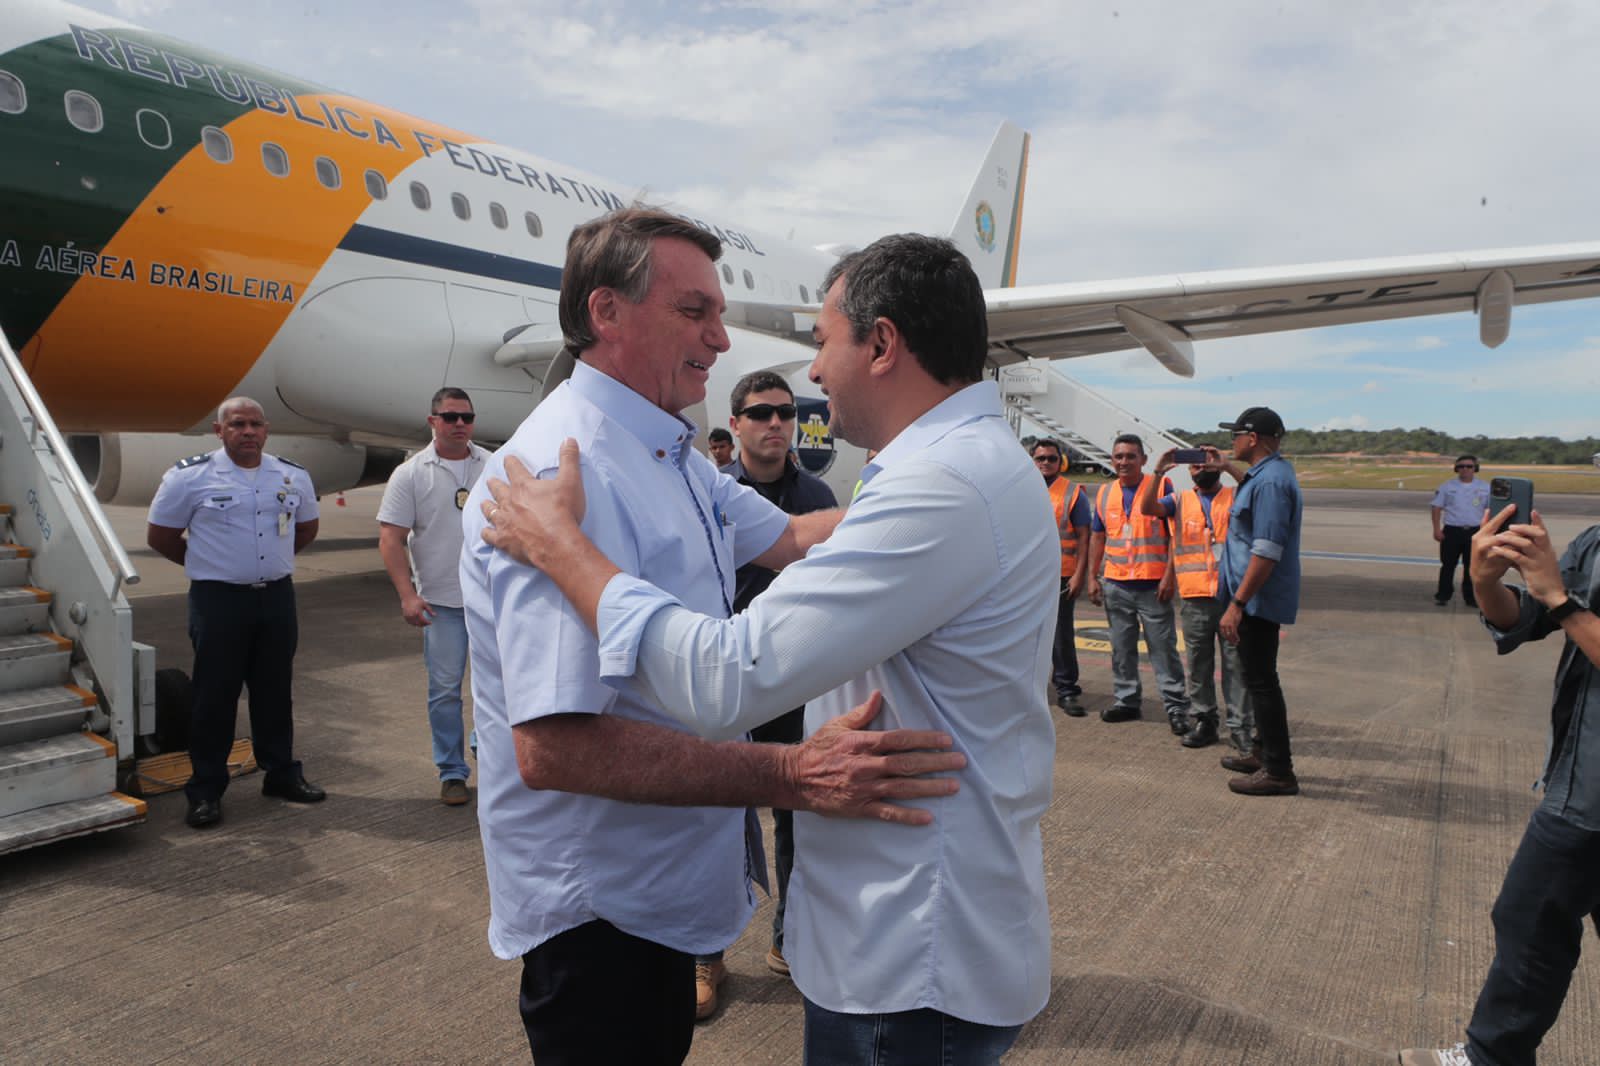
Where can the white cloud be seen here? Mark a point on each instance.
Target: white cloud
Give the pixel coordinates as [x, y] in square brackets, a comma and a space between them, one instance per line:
[1356, 421]
[1371, 387]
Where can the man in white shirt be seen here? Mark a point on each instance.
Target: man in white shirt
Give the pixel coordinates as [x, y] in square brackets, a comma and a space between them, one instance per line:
[421, 508]
[617, 845]
[938, 590]
[1457, 509]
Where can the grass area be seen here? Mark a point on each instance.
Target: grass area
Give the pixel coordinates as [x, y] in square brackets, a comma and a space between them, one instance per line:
[1425, 475]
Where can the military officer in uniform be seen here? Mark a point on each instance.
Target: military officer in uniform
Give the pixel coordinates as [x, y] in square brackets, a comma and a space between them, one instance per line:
[247, 514]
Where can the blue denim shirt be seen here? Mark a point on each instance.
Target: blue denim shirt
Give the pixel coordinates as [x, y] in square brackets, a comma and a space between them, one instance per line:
[1265, 521]
[1572, 769]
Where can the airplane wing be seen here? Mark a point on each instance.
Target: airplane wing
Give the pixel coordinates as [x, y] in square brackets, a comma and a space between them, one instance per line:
[1165, 314]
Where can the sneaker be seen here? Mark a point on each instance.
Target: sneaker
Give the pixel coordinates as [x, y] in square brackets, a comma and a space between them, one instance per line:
[708, 977]
[1119, 713]
[1445, 1056]
[776, 962]
[1247, 763]
[453, 792]
[1262, 783]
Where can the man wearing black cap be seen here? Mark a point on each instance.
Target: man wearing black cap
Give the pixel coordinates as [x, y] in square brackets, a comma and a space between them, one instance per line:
[1260, 577]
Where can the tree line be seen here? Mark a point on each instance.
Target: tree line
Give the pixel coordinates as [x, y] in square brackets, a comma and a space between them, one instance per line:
[1548, 450]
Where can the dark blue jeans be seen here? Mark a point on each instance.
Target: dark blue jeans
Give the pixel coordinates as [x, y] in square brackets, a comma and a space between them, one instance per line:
[906, 1038]
[1552, 884]
[1064, 653]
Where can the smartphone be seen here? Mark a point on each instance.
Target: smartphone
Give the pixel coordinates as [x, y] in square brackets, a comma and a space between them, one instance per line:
[1517, 490]
[1189, 456]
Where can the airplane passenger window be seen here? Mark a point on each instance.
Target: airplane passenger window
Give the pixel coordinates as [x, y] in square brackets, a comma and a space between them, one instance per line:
[377, 185]
[497, 215]
[749, 280]
[13, 94]
[275, 159]
[154, 129]
[328, 172]
[83, 111]
[420, 196]
[459, 204]
[535, 227]
[727, 274]
[803, 297]
[218, 145]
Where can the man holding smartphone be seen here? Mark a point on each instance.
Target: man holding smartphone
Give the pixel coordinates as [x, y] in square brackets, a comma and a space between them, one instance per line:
[1457, 507]
[1553, 882]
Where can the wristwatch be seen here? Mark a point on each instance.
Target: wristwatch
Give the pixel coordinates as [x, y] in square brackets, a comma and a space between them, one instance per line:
[1570, 606]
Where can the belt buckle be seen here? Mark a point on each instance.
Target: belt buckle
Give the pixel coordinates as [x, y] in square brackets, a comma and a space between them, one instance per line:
[259, 584]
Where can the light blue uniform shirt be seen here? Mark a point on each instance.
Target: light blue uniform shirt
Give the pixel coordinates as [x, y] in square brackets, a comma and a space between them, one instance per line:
[240, 522]
[1461, 503]
[555, 860]
[1265, 521]
[939, 587]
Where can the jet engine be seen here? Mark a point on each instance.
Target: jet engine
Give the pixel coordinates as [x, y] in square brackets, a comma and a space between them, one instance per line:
[126, 468]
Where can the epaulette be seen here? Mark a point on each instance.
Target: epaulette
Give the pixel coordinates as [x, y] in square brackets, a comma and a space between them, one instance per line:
[288, 462]
[193, 460]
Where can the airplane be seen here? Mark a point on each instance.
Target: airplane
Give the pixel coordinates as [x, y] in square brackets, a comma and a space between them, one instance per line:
[177, 226]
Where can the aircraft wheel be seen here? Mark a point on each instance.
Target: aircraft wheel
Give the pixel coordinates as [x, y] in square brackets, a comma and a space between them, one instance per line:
[174, 697]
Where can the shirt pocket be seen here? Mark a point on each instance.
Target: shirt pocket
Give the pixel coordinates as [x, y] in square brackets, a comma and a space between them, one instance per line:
[230, 511]
[290, 503]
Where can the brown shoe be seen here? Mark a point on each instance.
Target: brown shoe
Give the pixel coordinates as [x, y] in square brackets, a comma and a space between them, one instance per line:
[1242, 764]
[776, 962]
[1262, 783]
[453, 792]
[708, 976]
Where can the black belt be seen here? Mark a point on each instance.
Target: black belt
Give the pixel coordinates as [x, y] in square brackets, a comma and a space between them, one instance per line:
[246, 584]
[1469, 529]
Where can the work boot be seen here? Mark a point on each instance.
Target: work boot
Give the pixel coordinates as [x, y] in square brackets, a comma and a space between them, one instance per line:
[1118, 712]
[1445, 1056]
[708, 977]
[1179, 722]
[453, 792]
[1070, 706]
[1264, 783]
[1204, 733]
[1243, 762]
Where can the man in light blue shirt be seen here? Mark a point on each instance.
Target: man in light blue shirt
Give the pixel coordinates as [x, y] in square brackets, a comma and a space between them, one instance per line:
[614, 842]
[1457, 509]
[1260, 579]
[938, 590]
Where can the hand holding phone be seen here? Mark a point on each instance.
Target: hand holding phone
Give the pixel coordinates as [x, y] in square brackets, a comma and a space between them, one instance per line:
[1189, 456]
[1512, 490]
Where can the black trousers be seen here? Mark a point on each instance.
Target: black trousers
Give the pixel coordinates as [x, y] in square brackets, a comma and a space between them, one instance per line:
[1456, 547]
[241, 636]
[595, 994]
[1258, 660]
[1064, 652]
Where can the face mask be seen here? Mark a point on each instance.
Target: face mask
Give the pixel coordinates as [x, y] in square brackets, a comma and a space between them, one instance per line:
[1207, 479]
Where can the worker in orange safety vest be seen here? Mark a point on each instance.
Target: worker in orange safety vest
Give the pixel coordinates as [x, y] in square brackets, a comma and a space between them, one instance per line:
[1073, 516]
[1130, 572]
[1200, 528]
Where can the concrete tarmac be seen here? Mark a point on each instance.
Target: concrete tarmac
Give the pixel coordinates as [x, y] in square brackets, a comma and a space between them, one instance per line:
[1190, 925]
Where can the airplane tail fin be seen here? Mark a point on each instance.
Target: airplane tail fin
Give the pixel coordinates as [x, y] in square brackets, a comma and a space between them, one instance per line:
[989, 228]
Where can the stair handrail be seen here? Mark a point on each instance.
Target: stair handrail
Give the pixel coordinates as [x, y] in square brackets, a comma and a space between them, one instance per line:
[76, 482]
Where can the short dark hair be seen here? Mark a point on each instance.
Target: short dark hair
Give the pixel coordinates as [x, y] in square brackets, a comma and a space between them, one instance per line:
[1130, 438]
[926, 287]
[720, 434]
[449, 392]
[1473, 459]
[1048, 442]
[613, 252]
[757, 381]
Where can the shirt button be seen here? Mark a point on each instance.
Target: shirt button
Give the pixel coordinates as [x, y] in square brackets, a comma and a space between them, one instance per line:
[660, 454]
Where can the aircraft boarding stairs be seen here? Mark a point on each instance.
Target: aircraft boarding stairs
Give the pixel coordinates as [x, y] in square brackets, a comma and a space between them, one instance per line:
[1041, 400]
[70, 674]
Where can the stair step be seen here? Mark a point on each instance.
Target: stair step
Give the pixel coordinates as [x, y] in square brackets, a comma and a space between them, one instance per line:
[60, 769]
[33, 660]
[62, 820]
[9, 550]
[24, 609]
[36, 713]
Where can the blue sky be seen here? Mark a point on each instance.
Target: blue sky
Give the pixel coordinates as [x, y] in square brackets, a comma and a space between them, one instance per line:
[1167, 137]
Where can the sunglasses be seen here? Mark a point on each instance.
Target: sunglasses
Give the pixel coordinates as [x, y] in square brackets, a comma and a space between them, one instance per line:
[763, 412]
[453, 417]
[1047, 458]
[1466, 466]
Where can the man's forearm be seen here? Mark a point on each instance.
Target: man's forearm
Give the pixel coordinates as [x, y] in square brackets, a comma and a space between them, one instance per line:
[1097, 552]
[392, 550]
[799, 536]
[1497, 603]
[1436, 513]
[1255, 575]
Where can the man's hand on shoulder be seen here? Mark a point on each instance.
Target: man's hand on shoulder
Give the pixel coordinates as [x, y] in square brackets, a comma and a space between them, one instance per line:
[844, 771]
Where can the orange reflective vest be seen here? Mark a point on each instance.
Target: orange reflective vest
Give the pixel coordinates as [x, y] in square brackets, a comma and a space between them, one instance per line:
[1064, 502]
[1194, 553]
[1136, 544]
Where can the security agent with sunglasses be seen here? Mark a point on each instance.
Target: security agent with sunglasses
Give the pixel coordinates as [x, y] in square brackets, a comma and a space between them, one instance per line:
[422, 508]
[1457, 508]
[763, 423]
[247, 514]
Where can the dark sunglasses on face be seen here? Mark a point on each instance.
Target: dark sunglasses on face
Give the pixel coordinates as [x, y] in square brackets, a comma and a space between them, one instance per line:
[1047, 458]
[453, 417]
[763, 412]
[1466, 466]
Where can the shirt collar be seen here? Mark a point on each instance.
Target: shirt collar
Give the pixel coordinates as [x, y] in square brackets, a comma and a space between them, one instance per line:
[430, 454]
[1259, 463]
[667, 436]
[981, 399]
[737, 471]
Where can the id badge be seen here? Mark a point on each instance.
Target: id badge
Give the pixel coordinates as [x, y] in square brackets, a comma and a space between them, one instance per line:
[461, 498]
[283, 523]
